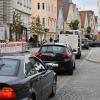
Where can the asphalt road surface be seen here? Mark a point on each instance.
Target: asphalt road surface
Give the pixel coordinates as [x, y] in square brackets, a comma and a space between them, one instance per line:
[84, 84]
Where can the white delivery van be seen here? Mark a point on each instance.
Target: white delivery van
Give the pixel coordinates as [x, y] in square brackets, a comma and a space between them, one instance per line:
[73, 38]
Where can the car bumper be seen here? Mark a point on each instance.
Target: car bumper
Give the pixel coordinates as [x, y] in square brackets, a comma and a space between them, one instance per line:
[62, 66]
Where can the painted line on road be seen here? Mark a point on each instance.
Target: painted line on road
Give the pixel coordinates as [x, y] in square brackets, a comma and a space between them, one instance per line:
[89, 53]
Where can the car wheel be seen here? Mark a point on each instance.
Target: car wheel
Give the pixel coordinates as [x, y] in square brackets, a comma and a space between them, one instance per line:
[30, 98]
[78, 56]
[54, 88]
[70, 72]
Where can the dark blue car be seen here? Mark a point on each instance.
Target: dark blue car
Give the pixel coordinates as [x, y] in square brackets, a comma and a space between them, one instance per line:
[24, 77]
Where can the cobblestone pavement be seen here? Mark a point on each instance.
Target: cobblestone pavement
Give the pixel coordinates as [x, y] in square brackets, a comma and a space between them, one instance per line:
[83, 85]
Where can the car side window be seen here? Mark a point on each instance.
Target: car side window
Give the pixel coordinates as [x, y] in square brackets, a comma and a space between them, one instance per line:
[30, 68]
[69, 51]
[39, 67]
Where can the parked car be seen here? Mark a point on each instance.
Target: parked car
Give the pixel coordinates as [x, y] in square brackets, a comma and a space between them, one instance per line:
[85, 43]
[96, 43]
[59, 54]
[90, 42]
[24, 77]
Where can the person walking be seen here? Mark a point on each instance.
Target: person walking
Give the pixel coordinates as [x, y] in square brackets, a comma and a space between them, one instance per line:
[51, 40]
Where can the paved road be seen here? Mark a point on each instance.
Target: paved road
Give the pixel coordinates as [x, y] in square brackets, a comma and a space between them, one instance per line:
[83, 85]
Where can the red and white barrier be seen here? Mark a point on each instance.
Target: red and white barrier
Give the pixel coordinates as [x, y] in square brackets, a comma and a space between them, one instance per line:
[13, 47]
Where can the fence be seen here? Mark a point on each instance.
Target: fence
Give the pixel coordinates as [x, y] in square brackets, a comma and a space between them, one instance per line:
[13, 47]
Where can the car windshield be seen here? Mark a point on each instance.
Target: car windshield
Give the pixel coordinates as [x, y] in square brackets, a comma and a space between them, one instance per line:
[8, 67]
[52, 49]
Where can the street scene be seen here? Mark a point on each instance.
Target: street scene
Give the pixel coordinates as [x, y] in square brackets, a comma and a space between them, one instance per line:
[49, 49]
[83, 85]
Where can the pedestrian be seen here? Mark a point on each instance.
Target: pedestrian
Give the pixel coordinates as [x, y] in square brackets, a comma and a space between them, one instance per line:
[31, 41]
[44, 41]
[51, 39]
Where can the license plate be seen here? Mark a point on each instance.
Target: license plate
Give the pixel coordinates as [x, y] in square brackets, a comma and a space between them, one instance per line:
[52, 64]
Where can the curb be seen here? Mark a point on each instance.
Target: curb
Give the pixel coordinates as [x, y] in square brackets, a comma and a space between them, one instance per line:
[92, 60]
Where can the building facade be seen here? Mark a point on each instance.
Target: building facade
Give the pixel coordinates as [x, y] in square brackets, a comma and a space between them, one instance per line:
[6, 14]
[62, 14]
[98, 4]
[47, 12]
[87, 19]
[72, 16]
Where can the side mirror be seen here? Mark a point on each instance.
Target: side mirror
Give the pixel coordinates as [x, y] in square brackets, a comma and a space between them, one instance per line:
[51, 66]
[74, 51]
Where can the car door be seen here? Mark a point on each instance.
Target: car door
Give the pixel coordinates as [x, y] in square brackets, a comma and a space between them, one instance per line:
[46, 79]
[35, 78]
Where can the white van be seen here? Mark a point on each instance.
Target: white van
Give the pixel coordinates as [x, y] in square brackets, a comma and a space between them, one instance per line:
[73, 38]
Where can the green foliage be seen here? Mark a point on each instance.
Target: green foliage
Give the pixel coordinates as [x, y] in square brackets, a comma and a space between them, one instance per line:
[88, 29]
[46, 30]
[16, 26]
[17, 23]
[74, 25]
[36, 26]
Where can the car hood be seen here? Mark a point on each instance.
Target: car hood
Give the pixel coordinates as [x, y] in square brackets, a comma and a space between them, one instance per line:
[8, 79]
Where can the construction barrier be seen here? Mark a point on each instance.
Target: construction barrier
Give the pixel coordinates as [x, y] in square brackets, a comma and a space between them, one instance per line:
[13, 47]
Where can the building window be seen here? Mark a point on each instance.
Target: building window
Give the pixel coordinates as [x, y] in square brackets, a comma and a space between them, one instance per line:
[43, 6]
[38, 5]
[19, 2]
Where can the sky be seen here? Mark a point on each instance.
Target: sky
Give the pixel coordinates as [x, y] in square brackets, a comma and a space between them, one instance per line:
[87, 5]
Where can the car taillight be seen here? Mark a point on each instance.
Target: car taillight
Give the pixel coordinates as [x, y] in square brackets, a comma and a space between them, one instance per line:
[39, 55]
[7, 93]
[67, 56]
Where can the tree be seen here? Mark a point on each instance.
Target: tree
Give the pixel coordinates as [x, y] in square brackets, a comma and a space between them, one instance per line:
[46, 31]
[88, 30]
[17, 25]
[36, 26]
[74, 25]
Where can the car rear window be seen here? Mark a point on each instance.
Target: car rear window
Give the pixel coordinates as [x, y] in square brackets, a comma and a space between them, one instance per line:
[8, 67]
[52, 49]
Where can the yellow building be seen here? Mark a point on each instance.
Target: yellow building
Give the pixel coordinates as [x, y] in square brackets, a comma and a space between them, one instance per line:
[71, 16]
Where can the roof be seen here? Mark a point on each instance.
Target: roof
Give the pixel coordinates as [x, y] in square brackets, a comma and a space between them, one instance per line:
[64, 4]
[18, 55]
[83, 14]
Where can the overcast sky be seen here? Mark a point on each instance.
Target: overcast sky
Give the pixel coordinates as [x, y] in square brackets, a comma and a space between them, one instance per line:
[87, 5]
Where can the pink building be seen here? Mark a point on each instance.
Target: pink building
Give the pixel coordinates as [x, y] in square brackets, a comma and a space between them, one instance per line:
[47, 11]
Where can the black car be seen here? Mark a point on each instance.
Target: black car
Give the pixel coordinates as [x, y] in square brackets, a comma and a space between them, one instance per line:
[24, 77]
[59, 54]
[85, 43]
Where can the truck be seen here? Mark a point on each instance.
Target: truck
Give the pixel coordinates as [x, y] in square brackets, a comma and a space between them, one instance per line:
[73, 38]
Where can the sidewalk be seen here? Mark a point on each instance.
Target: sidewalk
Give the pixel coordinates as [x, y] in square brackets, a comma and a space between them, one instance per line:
[94, 55]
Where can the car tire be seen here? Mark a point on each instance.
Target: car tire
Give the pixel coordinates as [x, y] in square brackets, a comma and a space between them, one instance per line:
[32, 97]
[70, 72]
[87, 48]
[78, 56]
[54, 86]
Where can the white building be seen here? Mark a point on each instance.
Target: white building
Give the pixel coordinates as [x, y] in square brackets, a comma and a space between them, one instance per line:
[6, 13]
